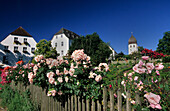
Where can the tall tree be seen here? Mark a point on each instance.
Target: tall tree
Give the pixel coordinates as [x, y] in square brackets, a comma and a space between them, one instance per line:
[93, 46]
[44, 47]
[164, 44]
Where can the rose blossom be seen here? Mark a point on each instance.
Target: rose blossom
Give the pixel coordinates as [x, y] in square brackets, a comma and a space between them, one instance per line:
[50, 74]
[71, 71]
[65, 71]
[153, 100]
[145, 57]
[138, 69]
[31, 81]
[51, 80]
[60, 79]
[106, 67]
[149, 67]
[136, 78]
[159, 66]
[57, 72]
[66, 79]
[133, 102]
[98, 78]
[157, 72]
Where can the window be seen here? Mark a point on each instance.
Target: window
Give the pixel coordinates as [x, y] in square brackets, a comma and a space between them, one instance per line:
[62, 43]
[5, 59]
[130, 46]
[24, 49]
[56, 37]
[133, 45]
[32, 50]
[55, 44]
[15, 48]
[62, 52]
[5, 47]
[61, 36]
[15, 39]
[25, 39]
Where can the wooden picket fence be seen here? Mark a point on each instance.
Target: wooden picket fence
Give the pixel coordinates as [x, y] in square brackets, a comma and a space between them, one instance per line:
[77, 103]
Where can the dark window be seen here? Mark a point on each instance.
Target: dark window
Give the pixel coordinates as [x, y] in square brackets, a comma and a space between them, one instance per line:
[32, 50]
[62, 43]
[133, 45]
[25, 39]
[5, 47]
[5, 59]
[56, 37]
[15, 48]
[55, 44]
[61, 36]
[130, 46]
[15, 38]
[62, 52]
[24, 49]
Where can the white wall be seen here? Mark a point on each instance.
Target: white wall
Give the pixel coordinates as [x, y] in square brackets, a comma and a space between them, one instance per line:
[58, 39]
[132, 48]
[14, 57]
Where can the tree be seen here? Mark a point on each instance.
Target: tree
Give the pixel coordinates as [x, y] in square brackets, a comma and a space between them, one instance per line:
[44, 48]
[140, 48]
[164, 44]
[119, 55]
[93, 46]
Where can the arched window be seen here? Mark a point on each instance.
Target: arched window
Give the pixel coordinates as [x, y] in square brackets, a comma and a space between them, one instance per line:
[55, 44]
[133, 45]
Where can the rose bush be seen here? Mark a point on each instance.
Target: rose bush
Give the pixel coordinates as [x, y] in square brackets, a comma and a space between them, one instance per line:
[62, 75]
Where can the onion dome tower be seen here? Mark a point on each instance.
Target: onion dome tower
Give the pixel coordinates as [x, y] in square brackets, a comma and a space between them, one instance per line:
[132, 44]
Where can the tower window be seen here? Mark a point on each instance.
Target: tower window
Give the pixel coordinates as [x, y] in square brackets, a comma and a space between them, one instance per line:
[62, 52]
[61, 36]
[56, 37]
[130, 46]
[55, 44]
[133, 45]
[62, 43]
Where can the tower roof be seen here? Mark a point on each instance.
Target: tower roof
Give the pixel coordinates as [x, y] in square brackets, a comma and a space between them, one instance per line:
[20, 31]
[132, 39]
[68, 33]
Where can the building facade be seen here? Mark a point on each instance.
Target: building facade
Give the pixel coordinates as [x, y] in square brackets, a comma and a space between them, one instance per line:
[18, 45]
[62, 41]
[132, 45]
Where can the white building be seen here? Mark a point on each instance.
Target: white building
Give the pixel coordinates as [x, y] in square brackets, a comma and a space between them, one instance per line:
[18, 45]
[132, 45]
[62, 41]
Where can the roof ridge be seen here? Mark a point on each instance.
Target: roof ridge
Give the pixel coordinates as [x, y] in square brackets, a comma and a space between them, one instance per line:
[20, 31]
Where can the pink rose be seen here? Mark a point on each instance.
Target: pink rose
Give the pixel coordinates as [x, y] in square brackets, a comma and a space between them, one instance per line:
[53, 92]
[31, 81]
[157, 72]
[138, 69]
[106, 67]
[60, 79]
[159, 66]
[51, 80]
[153, 100]
[71, 71]
[65, 71]
[50, 74]
[135, 78]
[149, 67]
[145, 57]
[98, 78]
[66, 79]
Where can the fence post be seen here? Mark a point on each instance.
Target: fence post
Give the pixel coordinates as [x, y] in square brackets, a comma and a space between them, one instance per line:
[119, 99]
[104, 99]
[128, 103]
[93, 105]
[87, 105]
[75, 99]
[111, 100]
[83, 104]
[72, 103]
[98, 105]
[79, 103]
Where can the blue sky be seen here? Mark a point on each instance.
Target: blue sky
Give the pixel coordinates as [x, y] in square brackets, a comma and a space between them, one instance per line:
[113, 20]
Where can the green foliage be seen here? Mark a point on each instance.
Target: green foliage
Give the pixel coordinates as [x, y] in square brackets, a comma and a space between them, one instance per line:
[44, 48]
[166, 59]
[15, 101]
[135, 55]
[93, 46]
[119, 56]
[140, 48]
[164, 44]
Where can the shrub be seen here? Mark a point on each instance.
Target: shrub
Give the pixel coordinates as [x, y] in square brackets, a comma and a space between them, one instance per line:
[166, 59]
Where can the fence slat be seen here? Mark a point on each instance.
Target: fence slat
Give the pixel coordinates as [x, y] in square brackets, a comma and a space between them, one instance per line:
[119, 99]
[72, 103]
[111, 100]
[79, 103]
[66, 103]
[69, 103]
[128, 103]
[104, 99]
[75, 99]
[98, 105]
[83, 104]
[93, 105]
[87, 105]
